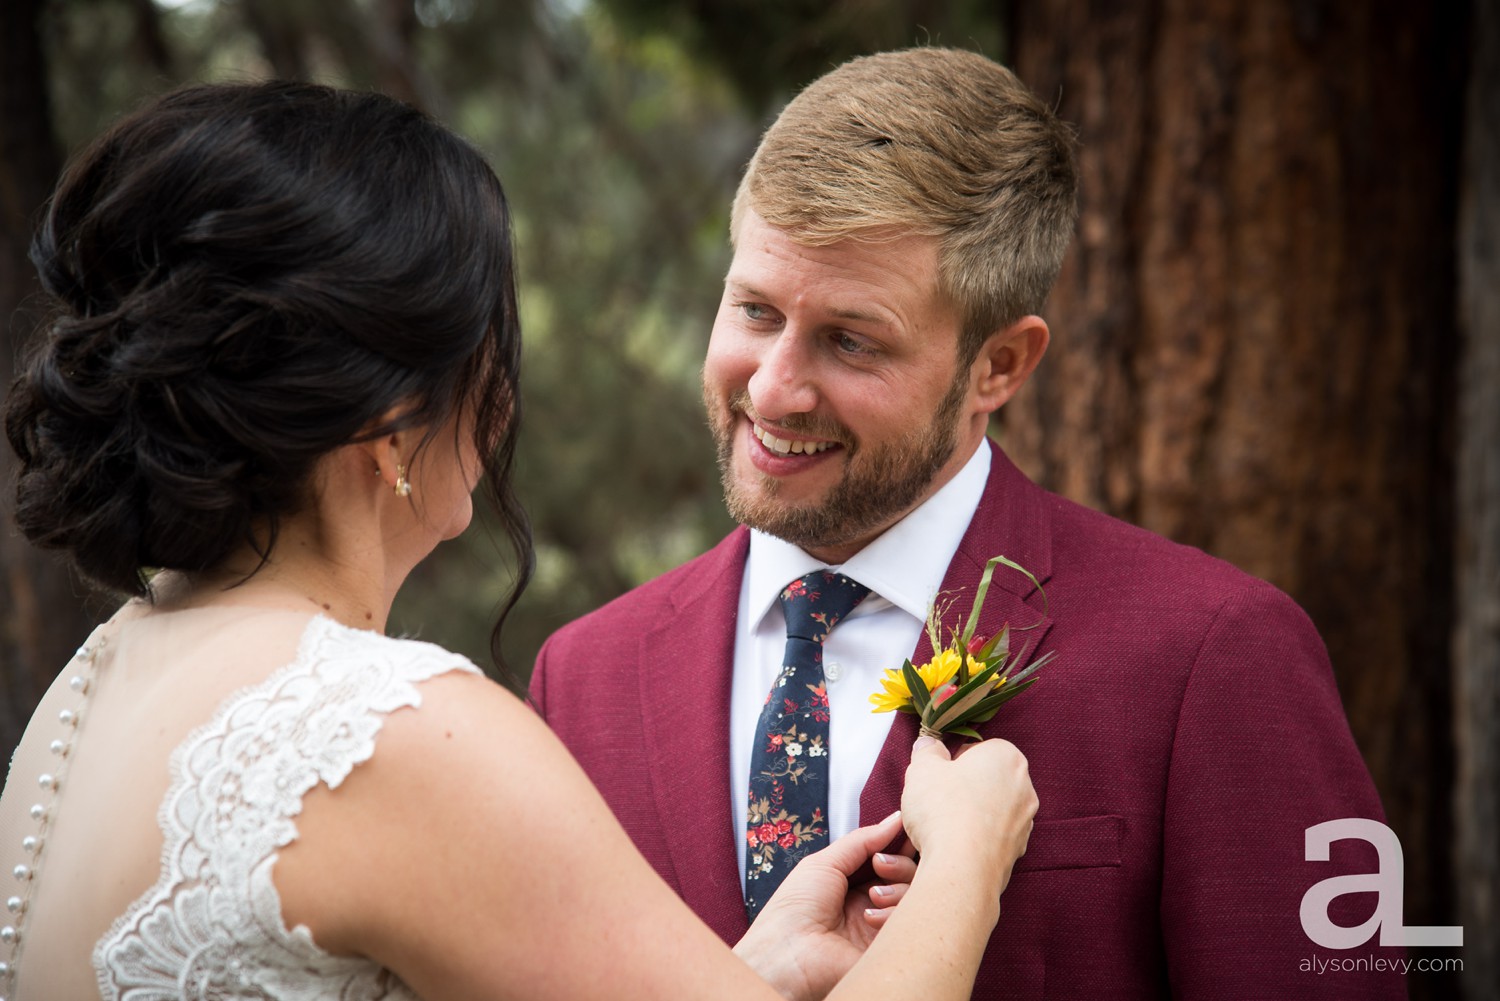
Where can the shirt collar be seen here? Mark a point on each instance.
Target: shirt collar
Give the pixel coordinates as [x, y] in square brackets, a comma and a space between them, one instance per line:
[904, 565]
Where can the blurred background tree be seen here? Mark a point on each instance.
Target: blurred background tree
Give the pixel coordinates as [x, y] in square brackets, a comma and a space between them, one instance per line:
[1277, 336]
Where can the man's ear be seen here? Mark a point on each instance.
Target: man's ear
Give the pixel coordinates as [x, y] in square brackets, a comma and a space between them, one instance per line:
[1006, 361]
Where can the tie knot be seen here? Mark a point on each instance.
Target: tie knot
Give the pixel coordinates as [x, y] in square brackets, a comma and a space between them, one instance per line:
[815, 603]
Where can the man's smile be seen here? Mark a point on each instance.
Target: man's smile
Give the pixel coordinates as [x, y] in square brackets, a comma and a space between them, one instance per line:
[794, 446]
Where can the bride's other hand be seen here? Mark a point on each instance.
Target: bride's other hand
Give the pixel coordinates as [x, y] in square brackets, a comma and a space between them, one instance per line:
[817, 924]
[969, 815]
[977, 805]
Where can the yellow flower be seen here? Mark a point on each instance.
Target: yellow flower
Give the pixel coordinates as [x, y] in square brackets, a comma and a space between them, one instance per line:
[934, 674]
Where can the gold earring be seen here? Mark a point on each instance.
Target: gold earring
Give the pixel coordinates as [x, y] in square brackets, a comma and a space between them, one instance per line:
[403, 485]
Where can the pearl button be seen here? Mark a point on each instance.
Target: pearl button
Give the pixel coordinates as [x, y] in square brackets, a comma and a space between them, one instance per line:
[32, 845]
[833, 671]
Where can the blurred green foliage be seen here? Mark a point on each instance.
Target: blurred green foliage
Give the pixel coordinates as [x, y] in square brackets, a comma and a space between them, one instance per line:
[619, 129]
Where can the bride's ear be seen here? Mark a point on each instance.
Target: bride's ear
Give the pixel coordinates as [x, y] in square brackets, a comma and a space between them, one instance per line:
[388, 456]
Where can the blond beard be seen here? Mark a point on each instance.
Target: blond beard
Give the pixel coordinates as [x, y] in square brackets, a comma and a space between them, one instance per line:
[880, 483]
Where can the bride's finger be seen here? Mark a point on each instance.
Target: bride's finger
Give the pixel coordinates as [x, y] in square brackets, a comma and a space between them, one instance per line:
[887, 894]
[876, 917]
[894, 868]
[852, 850]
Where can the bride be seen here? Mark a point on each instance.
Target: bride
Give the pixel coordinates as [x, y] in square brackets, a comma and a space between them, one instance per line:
[285, 352]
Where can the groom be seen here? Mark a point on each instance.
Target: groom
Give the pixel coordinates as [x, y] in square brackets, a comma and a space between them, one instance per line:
[895, 237]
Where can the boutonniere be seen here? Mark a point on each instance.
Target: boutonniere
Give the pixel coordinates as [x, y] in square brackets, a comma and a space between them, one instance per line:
[963, 683]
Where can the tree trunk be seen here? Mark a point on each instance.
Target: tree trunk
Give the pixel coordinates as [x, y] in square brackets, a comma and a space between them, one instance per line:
[42, 618]
[280, 39]
[150, 43]
[1476, 689]
[1254, 335]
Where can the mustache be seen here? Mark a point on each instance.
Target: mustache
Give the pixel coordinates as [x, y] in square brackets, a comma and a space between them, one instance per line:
[812, 425]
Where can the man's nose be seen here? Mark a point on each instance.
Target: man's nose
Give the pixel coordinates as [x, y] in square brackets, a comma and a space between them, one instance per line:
[783, 381]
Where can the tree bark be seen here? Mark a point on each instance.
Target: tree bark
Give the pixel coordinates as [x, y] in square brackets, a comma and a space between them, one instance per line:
[1254, 335]
[1476, 653]
[149, 40]
[280, 39]
[42, 616]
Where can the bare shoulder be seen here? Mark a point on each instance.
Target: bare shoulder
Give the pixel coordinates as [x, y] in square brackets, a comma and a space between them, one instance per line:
[464, 722]
[455, 853]
[449, 777]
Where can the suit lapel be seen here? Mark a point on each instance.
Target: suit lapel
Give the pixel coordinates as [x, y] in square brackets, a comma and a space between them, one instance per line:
[685, 685]
[1010, 521]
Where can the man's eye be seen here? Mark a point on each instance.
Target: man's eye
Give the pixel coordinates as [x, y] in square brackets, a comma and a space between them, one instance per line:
[753, 311]
[853, 345]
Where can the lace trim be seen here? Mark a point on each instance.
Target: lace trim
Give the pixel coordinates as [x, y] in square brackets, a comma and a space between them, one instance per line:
[212, 925]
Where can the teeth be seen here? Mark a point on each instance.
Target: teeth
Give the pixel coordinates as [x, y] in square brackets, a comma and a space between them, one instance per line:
[783, 446]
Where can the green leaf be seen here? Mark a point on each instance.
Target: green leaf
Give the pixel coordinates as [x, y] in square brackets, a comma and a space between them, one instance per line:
[979, 681]
[953, 708]
[1034, 583]
[1033, 667]
[985, 710]
[920, 697]
[967, 731]
[979, 596]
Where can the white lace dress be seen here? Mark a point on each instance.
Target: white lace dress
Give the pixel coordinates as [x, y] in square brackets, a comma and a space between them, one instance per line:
[211, 928]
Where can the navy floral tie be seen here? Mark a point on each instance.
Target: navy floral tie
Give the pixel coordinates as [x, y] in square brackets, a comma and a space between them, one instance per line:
[788, 815]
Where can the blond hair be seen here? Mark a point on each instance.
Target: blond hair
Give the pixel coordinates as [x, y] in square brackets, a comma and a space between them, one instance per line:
[932, 142]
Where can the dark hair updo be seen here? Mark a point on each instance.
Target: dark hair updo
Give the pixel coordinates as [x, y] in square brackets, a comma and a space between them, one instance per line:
[246, 278]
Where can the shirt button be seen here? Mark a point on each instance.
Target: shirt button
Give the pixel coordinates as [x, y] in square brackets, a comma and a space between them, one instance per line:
[833, 671]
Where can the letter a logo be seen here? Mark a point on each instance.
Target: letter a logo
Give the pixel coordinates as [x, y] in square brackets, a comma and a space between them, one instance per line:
[1386, 884]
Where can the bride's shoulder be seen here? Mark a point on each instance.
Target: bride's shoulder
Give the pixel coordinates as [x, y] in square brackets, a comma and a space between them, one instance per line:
[450, 691]
[444, 761]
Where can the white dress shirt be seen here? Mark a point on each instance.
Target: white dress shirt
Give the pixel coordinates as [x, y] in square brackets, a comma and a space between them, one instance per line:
[903, 568]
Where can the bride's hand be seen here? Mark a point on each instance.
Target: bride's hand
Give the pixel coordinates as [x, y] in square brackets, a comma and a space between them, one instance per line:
[816, 925]
[977, 804]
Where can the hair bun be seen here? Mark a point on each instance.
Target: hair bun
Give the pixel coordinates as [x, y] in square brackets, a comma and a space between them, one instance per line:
[247, 277]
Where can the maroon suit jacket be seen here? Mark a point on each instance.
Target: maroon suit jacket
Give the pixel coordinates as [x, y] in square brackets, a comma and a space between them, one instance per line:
[1187, 734]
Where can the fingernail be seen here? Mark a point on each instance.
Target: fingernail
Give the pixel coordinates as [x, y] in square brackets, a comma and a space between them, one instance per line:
[892, 817]
[884, 859]
[880, 891]
[923, 741]
[872, 912]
